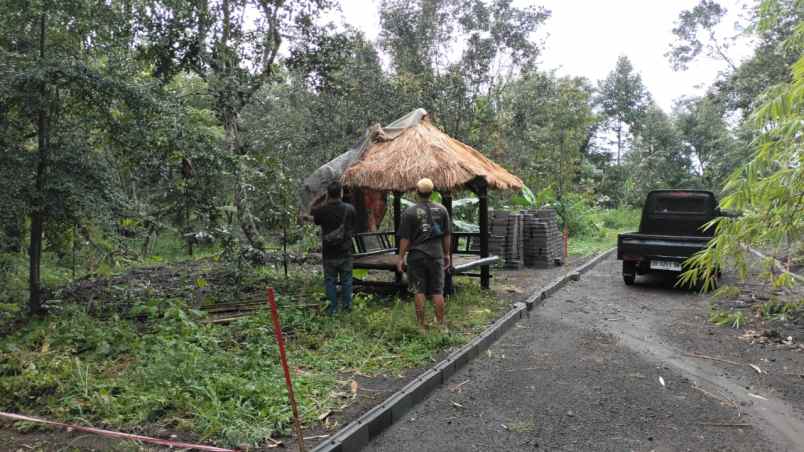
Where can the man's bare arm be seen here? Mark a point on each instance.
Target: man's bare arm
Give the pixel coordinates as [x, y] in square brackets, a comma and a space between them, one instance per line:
[446, 245]
[400, 259]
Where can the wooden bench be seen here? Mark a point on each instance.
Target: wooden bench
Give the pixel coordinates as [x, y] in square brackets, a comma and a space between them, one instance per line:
[465, 257]
[373, 243]
[377, 251]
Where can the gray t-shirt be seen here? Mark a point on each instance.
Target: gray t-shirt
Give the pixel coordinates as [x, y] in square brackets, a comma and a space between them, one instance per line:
[415, 226]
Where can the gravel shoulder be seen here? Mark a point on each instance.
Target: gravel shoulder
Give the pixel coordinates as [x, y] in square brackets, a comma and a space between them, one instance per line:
[604, 366]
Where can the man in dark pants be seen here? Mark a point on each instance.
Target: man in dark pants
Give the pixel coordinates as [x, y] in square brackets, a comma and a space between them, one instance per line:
[336, 250]
[425, 231]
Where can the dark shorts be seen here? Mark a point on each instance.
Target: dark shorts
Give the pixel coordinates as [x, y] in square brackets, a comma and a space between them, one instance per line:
[425, 274]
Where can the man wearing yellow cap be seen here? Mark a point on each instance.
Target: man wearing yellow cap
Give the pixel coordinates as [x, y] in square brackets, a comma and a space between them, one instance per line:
[425, 236]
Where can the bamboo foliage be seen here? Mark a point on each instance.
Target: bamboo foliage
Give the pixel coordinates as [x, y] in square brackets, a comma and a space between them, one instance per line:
[768, 190]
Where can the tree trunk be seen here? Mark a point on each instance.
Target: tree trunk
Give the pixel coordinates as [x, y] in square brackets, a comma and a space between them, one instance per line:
[35, 260]
[619, 141]
[39, 210]
[244, 217]
[187, 228]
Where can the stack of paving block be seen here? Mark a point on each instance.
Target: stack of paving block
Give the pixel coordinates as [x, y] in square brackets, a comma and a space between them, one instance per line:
[544, 245]
[506, 238]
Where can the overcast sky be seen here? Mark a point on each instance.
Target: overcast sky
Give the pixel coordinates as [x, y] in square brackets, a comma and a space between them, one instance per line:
[585, 37]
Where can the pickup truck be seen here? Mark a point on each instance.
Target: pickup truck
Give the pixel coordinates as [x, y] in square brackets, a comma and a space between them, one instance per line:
[671, 230]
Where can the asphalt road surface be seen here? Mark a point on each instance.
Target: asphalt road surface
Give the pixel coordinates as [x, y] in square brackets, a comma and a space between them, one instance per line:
[601, 366]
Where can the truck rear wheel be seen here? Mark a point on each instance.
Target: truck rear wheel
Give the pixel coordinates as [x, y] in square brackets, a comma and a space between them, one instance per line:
[629, 272]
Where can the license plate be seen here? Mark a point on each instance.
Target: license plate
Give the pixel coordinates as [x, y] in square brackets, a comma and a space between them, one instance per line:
[665, 265]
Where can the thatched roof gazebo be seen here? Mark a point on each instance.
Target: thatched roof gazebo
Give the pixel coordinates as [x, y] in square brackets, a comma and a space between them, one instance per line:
[423, 150]
[394, 158]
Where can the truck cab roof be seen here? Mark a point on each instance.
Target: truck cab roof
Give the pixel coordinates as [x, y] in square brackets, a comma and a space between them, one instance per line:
[678, 212]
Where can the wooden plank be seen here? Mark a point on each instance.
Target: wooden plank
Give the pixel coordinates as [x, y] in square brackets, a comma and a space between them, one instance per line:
[485, 262]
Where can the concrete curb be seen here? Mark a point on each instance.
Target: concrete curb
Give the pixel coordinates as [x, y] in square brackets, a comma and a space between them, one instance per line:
[357, 434]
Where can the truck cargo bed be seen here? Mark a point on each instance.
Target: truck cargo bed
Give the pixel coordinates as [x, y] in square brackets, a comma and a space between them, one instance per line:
[635, 246]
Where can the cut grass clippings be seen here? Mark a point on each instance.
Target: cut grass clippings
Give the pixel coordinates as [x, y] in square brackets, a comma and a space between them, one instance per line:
[167, 369]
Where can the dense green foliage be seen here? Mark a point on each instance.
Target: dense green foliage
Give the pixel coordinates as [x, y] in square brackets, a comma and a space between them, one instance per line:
[145, 132]
[769, 189]
[184, 118]
[159, 363]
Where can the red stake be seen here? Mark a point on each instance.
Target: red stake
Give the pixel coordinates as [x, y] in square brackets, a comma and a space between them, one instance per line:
[281, 341]
[566, 241]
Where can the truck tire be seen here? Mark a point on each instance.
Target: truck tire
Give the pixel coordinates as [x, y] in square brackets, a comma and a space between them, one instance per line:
[629, 273]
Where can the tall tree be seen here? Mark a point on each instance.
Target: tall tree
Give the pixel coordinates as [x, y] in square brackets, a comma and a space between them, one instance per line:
[706, 137]
[623, 99]
[658, 160]
[691, 24]
[741, 90]
[333, 90]
[420, 37]
[233, 45]
[65, 73]
[547, 123]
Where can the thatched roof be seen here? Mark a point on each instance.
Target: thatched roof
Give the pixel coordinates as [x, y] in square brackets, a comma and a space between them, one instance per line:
[422, 150]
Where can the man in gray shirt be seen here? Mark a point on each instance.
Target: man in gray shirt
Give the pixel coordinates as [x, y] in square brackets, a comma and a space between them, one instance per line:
[425, 236]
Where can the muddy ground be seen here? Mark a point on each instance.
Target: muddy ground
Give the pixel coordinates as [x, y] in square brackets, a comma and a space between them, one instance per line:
[604, 366]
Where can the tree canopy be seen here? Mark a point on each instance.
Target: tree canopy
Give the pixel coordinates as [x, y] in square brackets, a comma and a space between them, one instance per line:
[202, 117]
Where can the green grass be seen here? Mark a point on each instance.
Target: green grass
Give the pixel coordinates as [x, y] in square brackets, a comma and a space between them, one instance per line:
[605, 225]
[587, 246]
[221, 382]
[160, 366]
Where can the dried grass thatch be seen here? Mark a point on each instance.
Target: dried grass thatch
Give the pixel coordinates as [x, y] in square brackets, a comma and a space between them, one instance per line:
[424, 151]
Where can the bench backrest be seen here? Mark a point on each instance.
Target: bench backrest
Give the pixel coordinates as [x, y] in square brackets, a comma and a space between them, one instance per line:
[466, 243]
[373, 242]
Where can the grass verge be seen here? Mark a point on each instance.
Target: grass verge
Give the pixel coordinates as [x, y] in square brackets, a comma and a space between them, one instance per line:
[603, 227]
[159, 366]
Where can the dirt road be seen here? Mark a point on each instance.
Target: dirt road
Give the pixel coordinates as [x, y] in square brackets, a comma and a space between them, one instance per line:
[603, 366]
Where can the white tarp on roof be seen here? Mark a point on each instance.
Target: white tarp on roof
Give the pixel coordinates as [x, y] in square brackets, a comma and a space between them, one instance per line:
[315, 184]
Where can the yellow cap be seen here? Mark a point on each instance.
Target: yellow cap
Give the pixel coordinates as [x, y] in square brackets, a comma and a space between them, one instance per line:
[424, 186]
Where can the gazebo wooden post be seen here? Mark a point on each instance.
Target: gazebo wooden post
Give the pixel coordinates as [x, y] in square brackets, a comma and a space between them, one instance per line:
[397, 221]
[446, 198]
[483, 205]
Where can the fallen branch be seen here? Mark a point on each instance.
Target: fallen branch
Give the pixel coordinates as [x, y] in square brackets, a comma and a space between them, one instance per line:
[720, 399]
[112, 434]
[524, 369]
[716, 424]
[225, 319]
[316, 437]
[777, 264]
[458, 386]
[756, 396]
[695, 355]
[752, 366]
